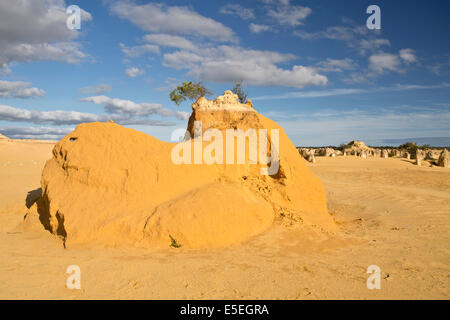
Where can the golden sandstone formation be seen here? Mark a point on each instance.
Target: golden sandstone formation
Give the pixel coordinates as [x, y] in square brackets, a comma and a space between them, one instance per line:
[114, 186]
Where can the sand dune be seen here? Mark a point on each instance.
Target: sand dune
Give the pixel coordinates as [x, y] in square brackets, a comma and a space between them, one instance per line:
[388, 211]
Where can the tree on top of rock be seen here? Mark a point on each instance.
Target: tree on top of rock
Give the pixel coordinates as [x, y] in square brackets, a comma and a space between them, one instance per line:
[188, 90]
[237, 89]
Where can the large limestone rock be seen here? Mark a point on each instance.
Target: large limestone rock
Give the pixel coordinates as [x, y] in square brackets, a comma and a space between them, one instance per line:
[115, 186]
[327, 152]
[384, 154]
[311, 158]
[377, 153]
[432, 154]
[356, 147]
[444, 160]
[420, 155]
[358, 144]
[308, 154]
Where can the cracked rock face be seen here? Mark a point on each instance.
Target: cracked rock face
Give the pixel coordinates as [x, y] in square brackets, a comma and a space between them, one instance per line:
[228, 101]
[115, 186]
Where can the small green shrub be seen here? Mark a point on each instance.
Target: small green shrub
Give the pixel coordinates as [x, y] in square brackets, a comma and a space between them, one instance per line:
[174, 242]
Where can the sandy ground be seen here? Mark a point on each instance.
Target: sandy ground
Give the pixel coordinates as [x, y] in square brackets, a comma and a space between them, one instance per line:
[390, 213]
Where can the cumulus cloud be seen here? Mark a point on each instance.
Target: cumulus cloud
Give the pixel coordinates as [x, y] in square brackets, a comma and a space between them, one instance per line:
[351, 91]
[137, 51]
[57, 117]
[408, 55]
[100, 89]
[168, 40]
[35, 30]
[160, 18]
[114, 105]
[372, 45]
[289, 15]
[283, 2]
[386, 62]
[45, 133]
[382, 62]
[19, 89]
[64, 117]
[257, 28]
[336, 65]
[130, 108]
[238, 10]
[228, 63]
[355, 37]
[134, 72]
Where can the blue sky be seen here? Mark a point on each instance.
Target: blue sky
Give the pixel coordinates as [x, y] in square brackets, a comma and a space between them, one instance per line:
[313, 66]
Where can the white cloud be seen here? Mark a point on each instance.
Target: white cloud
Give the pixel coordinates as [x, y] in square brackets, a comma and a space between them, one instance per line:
[381, 63]
[356, 77]
[100, 89]
[384, 62]
[69, 52]
[283, 2]
[133, 72]
[47, 133]
[64, 117]
[356, 37]
[238, 10]
[4, 69]
[130, 108]
[114, 105]
[342, 33]
[57, 117]
[257, 28]
[372, 45]
[170, 84]
[311, 94]
[254, 67]
[350, 91]
[160, 18]
[336, 65]
[290, 15]
[19, 89]
[137, 51]
[408, 55]
[167, 40]
[35, 30]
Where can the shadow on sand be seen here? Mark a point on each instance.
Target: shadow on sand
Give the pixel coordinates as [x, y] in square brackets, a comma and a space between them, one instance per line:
[57, 225]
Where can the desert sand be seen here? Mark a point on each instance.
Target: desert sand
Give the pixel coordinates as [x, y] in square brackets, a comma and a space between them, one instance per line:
[389, 212]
